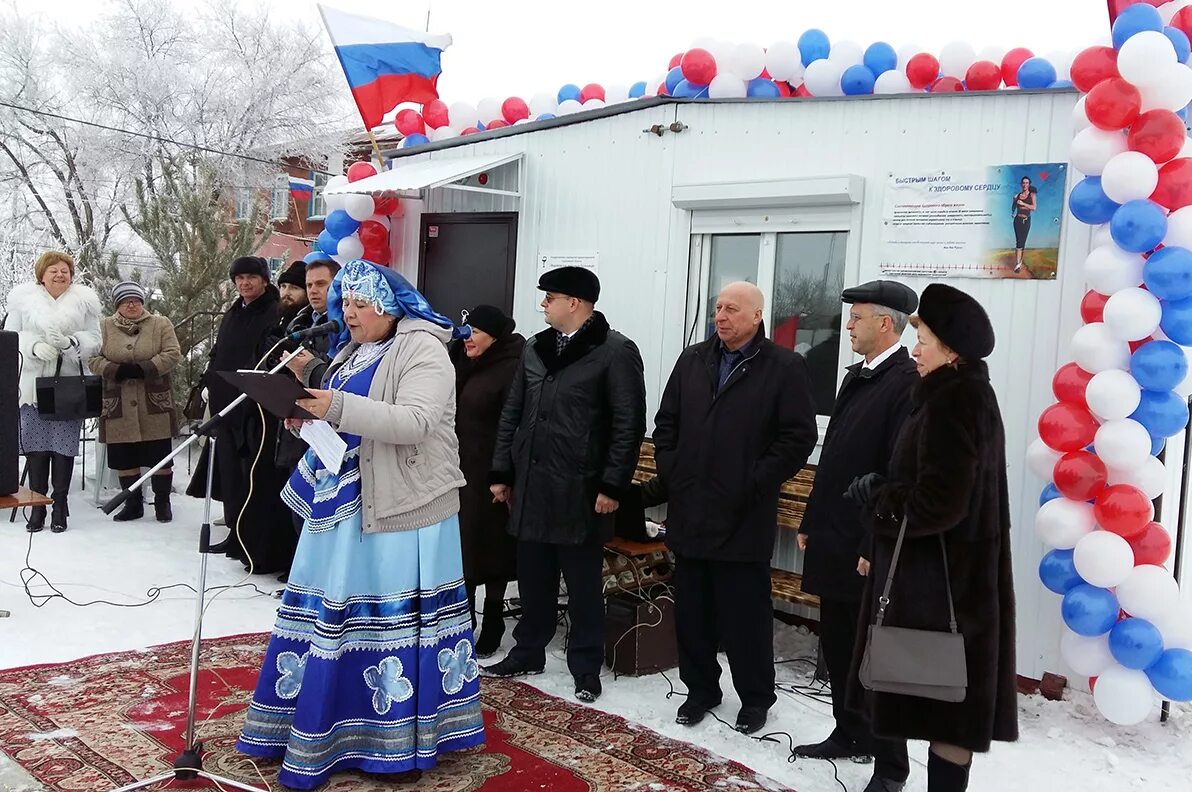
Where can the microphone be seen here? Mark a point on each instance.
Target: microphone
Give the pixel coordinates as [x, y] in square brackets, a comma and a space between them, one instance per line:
[326, 328]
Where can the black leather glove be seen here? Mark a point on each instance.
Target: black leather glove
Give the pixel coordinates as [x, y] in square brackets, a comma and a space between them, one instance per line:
[861, 490]
[127, 371]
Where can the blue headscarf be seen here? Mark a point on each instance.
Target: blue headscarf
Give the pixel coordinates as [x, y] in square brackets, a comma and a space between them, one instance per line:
[388, 292]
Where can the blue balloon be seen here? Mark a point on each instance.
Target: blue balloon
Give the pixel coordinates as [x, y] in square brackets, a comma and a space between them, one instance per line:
[314, 255]
[1183, 114]
[1163, 413]
[1135, 19]
[416, 139]
[1159, 365]
[1036, 73]
[1135, 643]
[572, 91]
[760, 86]
[1061, 84]
[1049, 493]
[637, 90]
[1179, 40]
[327, 243]
[1138, 226]
[1168, 273]
[1171, 675]
[480, 127]
[1176, 321]
[339, 224]
[857, 80]
[880, 58]
[1089, 611]
[690, 90]
[814, 45]
[1058, 572]
[546, 116]
[673, 78]
[1089, 203]
[1157, 444]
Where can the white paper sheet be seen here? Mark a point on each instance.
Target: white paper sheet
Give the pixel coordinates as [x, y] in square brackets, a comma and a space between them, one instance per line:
[328, 446]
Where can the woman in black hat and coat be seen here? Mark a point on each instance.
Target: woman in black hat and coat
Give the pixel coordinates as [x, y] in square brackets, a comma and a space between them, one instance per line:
[947, 477]
[484, 368]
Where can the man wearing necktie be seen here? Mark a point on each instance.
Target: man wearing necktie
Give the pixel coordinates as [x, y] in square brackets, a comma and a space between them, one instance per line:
[873, 402]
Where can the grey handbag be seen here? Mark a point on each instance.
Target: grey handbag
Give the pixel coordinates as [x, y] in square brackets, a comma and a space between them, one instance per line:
[924, 663]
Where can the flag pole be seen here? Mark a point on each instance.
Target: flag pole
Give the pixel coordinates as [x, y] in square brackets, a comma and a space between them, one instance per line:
[376, 150]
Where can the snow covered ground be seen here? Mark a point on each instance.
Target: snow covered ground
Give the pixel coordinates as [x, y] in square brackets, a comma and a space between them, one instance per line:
[1064, 746]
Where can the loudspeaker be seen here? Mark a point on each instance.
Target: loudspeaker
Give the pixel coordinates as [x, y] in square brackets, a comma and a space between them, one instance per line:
[639, 634]
[10, 413]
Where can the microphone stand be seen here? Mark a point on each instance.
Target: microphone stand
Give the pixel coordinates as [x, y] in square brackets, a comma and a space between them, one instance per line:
[189, 764]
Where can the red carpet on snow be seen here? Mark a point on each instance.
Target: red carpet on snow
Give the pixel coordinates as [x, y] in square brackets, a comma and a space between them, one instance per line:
[106, 721]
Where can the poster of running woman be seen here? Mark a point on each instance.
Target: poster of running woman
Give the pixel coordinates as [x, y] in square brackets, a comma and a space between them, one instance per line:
[1002, 221]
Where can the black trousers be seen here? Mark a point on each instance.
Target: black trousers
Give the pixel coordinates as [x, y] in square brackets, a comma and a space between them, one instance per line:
[725, 603]
[1022, 227]
[538, 568]
[838, 637]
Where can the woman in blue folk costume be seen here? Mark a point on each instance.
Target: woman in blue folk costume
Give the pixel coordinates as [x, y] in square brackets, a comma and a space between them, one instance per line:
[370, 666]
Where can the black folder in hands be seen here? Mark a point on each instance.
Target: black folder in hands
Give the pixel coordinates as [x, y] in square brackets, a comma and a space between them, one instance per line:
[276, 392]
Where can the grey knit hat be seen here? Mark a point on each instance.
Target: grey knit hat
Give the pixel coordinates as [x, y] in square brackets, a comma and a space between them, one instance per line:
[127, 290]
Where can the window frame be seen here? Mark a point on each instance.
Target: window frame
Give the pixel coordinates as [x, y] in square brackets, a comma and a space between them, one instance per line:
[281, 189]
[243, 208]
[316, 198]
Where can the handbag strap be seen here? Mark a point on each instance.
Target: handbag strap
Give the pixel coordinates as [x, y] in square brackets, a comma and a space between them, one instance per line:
[884, 599]
[58, 367]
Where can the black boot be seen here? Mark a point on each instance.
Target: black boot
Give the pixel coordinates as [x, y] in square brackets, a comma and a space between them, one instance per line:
[61, 472]
[492, 627]
[134, 506]
[37, 464]
[163, 485]
[945, 776]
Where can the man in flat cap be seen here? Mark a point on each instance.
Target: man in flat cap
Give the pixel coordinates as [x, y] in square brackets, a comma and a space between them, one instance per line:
[567, 446]
[736, 421]
[872, 405]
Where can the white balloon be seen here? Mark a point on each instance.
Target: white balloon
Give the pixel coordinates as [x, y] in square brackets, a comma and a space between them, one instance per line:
[1179, 228]
[1132, 314]
[722, 52]
[1144, 57]
[1170, 91]
[1093, 148]
[1095, 349]
[991, 54]
[521, 121]
[651, 87]
[1124, 696]
[1041, 459]
[1103, 558]
[540, 103]
[489, 109]
[727, 86]
[350, 247]
[1123, 444]
[462, 115]
[906, 52]
[1186, 149]
[1080, 119]
[443, 133]
[747, 61]
[822, 78]
[1148, 592]
[1113, 395]
[335, 201]
[616, 93]
[568, 106]
[1062, 61]
[846, 53]
[1109, 269]
[783, 61]
[1169, 9]
[1176, 626]
[1185, 388]
[1086, 656]
[359, 207]
[1062, 523]
[1129, 176]
[593, 104]
[892, 82]
[1150, 476]
[955, 58]
[1103, 236]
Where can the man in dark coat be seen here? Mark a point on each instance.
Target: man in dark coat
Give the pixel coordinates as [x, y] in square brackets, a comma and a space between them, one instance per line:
[736, 421]
[567, 446]
[311, 363]
[873, 402]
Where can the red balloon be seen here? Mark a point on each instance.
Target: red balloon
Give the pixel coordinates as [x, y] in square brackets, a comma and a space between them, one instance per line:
[435, 114]
[946, 85]
[1134, 345]
[361, 170]
[698, 66]
[1080, 475]
[1092, 66]
[765, 75]
[983, 76]
[802, 91]
[409, 122]
[1159, 134]
[784, 89]
[497, 124]
[1175, 184]
[386, 204]
[922, 70]
[591, 91]
[1123, 509]
[1011, 61]
[663, 90]
[1152, 546]
[1092, 307]
[1092, 684]
[378, 255]
[468, 131]
[513, 110]
[1183, 20]
[1067, 427]
[1069, 385]
[373, 234]
[1113, 104]
[675, 61]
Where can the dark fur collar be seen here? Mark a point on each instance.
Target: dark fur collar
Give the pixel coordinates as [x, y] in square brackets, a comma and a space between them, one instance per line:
[586, 340]
[945, 377]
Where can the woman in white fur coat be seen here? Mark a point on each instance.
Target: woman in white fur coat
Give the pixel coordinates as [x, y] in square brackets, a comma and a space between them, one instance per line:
[55, 318]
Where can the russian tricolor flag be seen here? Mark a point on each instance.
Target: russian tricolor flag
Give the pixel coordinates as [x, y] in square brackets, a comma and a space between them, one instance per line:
[302, 189]
[386, 64]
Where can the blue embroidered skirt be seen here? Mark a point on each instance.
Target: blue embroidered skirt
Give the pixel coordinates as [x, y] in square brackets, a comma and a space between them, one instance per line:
[370, 666]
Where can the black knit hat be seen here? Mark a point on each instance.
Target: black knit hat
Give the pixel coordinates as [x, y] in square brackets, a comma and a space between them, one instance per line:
[491, 320]
[573, 281]
[957, 320]
[249, 265]
[295, 275]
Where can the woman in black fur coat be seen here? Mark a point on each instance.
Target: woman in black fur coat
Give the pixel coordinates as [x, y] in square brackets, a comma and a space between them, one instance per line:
[948, 477]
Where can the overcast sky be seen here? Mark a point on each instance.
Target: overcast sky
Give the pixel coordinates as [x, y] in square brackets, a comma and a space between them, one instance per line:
[520, 47]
